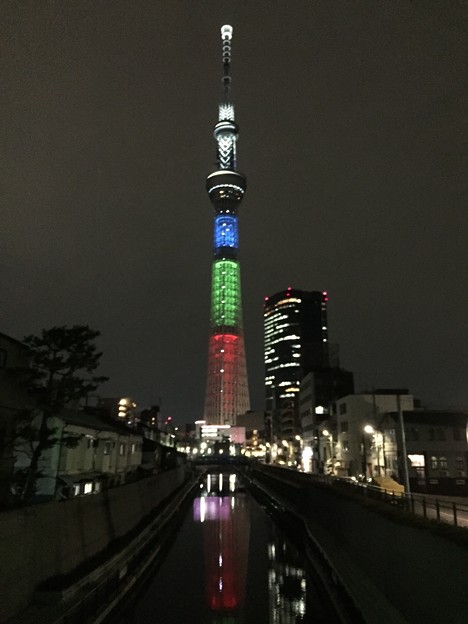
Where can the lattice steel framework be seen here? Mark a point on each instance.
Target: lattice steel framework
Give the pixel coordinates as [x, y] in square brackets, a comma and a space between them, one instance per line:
[227, 393]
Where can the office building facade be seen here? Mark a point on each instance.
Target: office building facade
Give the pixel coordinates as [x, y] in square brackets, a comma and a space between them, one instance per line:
[295, 344]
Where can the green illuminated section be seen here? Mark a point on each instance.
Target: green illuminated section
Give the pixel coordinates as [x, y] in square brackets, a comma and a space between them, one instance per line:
[225, 293]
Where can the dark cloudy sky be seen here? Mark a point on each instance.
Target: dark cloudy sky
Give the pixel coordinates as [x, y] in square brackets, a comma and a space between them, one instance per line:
[351, 119]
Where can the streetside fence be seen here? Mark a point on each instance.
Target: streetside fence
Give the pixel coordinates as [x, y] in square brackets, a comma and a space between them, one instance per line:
[443, 509]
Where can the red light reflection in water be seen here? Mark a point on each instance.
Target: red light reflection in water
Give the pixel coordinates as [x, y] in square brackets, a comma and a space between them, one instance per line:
[226, 528]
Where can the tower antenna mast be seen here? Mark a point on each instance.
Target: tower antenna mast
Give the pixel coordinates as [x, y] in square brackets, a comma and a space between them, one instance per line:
[226, 37]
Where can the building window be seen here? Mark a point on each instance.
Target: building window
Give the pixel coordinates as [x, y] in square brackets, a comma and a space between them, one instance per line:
[342, 408]
[441, 434]
[414, 434]
[345, 445]
[459, 434]
[132, 449]
[420, 472]
[460, 464]
[122, 449]
[434, 463]
[443, 463]
[107, 448]
[344, 426]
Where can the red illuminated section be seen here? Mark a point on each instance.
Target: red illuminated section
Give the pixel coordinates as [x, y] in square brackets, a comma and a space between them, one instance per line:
[227, 392]
[226, 543]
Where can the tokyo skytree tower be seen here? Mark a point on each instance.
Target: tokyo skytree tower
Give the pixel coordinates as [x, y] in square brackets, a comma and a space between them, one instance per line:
[227, 392]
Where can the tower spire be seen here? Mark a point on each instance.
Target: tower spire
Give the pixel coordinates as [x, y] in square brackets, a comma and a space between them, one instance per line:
[226, 129]
[226, 37]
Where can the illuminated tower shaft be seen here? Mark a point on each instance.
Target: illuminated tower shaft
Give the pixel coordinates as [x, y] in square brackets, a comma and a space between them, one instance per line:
[227, 393]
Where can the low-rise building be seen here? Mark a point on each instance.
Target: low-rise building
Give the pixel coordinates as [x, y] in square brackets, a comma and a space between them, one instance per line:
[122, 409]
[436, 448]
[255, 441]
[345, 447]
[90, 453]
[95, 453]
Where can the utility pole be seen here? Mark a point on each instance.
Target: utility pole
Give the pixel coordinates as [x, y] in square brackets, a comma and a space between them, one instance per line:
[404, 457]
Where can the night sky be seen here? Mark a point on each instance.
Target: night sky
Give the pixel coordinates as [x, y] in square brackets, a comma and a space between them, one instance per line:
[351, 126]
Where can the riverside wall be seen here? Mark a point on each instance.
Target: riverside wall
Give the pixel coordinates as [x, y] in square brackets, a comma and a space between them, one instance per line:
[420, 573]
[45, 540]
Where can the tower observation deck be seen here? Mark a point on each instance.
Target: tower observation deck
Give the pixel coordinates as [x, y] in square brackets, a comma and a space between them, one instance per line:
[227, 393]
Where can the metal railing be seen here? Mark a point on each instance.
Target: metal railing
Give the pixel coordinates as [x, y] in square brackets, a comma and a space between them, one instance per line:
[439, 508]
[442, 509]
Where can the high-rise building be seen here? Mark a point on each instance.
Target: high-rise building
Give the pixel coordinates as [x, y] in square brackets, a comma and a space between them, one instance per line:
[227, 393]
[296, 343]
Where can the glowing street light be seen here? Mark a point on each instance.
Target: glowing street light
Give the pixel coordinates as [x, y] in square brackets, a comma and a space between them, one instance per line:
[329, 435]
[379, 443]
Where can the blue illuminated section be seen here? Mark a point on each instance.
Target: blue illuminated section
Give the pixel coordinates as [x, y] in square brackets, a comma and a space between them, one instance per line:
[225, 232]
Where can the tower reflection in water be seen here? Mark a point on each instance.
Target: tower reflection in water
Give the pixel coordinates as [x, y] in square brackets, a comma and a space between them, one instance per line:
[287, 584]
[225, 512]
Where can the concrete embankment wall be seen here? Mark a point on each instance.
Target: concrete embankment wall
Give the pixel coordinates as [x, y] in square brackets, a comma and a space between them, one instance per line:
[421, 574]
[45, 540]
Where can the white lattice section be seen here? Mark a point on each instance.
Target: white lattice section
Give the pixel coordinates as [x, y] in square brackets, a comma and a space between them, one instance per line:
[226, 112]
[225, 151]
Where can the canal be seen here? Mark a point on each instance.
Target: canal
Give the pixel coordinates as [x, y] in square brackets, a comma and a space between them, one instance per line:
[229, 563]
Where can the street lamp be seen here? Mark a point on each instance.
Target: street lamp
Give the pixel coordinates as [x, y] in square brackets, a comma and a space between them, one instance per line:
[329, 435]
[370, 430]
